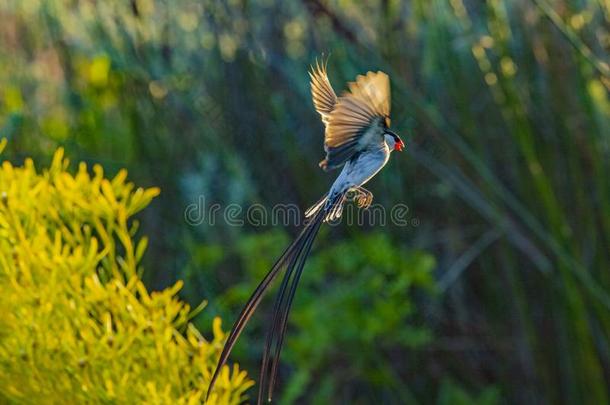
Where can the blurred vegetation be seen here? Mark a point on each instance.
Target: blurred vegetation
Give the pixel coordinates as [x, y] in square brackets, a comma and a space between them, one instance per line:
[501, 291]
[77, 324]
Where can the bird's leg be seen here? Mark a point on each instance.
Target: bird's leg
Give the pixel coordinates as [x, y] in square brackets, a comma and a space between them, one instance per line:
[369, 198]
[357, 196]
[362, 197]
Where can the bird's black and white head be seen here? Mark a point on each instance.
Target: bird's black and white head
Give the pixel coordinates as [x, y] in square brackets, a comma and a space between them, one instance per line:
[393, 141]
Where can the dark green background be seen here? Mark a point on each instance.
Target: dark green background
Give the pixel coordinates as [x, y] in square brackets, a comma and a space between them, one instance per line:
[496, 293]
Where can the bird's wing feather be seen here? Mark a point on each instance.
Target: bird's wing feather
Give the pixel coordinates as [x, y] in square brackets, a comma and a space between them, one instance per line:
[357, 116]
[322, 93]
[374, 90]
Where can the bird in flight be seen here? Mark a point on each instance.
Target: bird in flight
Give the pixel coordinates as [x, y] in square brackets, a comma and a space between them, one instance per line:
[357, 137]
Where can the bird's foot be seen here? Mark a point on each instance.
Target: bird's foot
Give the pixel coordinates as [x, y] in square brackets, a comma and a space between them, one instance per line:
[363, 197]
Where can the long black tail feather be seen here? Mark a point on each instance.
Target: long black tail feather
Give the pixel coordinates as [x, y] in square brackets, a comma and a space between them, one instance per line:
[279, 323]
[271, 331]
[293, 258]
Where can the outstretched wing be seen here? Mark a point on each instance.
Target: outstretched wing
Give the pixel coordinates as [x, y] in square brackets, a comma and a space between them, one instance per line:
[322, 93]
[358, 118]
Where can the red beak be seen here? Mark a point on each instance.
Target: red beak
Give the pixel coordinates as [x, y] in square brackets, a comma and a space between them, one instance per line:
[399, 145]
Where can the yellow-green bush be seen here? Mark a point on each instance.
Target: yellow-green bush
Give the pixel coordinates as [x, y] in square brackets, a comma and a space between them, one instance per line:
[76, 323]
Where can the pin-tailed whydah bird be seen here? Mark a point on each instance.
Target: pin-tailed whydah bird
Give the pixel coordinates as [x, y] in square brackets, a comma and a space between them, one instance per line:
[357, 138]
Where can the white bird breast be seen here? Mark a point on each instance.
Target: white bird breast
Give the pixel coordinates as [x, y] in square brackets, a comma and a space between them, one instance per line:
[362, 168]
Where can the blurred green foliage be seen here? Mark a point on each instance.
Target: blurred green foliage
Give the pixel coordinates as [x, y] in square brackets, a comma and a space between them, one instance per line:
[354, 306]
[503, 104]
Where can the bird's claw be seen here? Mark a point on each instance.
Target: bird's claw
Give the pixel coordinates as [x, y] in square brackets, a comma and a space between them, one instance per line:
[363, 198]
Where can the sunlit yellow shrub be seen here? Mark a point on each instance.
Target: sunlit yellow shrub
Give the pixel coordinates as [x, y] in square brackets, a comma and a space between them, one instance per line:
[76, 323]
